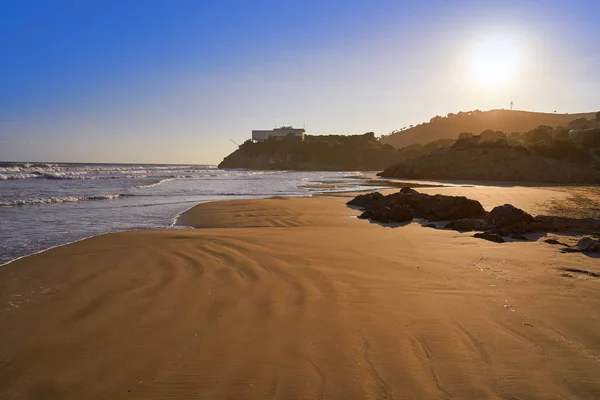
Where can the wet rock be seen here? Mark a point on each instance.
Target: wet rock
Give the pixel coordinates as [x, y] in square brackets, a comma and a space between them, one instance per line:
[379, 216]
[492, 237]
[367, 214]
[400, 213]
[461, 225]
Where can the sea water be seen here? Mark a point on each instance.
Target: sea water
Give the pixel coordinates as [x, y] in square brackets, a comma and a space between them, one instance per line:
[48, 204]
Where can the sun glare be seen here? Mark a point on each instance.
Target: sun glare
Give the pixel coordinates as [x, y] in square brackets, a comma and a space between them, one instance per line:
[494, 60]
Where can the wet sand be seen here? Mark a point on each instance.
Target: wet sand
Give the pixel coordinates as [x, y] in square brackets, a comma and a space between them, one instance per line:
[294, 299]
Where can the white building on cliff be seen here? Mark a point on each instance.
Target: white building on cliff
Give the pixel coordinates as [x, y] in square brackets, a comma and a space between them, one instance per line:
[278, 133]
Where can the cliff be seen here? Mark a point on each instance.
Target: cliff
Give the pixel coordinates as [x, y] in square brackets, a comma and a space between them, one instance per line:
[324, 153]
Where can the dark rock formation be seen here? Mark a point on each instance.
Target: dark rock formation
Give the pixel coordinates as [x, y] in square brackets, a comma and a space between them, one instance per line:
[363, 200]
[460, 225]
[432, 208]
[400, 213]
[554, 241]
[492, 237]
[468, 225]
[585, 245]
[509, 216]
[466, 215]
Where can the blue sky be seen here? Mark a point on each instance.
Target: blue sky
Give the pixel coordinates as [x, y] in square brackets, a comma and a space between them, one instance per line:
[174, 81]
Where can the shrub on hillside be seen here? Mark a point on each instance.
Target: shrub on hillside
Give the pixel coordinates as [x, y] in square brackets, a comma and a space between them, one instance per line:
[561, 149]
[486, 140]
[578, 124]
[540, 134]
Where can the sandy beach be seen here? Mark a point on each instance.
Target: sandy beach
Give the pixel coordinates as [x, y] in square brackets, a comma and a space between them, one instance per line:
[294, 298]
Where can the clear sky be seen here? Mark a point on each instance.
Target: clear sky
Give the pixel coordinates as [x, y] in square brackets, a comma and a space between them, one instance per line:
[174, 81]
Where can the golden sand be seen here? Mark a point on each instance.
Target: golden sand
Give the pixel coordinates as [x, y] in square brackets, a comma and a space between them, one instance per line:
[294, 299]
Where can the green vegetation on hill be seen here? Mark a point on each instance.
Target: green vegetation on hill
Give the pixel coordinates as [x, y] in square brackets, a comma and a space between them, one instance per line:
[451, 126]
[533, 142]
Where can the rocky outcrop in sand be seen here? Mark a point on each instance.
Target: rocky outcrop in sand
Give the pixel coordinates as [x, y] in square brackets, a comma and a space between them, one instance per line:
[432, 208]
[467, 215]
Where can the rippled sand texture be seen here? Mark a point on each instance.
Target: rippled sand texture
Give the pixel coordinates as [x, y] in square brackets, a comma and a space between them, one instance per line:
[293, 299]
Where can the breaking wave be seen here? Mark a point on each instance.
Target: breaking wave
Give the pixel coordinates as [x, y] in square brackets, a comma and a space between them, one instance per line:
[149, 185]
[59, 199]
[4, 177]
[14, 171]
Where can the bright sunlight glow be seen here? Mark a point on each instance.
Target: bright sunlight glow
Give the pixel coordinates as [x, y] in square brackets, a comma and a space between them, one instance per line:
[494, 60]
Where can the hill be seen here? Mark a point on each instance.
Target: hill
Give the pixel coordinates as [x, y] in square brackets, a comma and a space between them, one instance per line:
[554, 161]
[330, 153]
[477, 121]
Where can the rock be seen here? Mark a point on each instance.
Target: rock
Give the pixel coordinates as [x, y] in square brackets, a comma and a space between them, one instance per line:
[492, 237]
[478, 224]
[442, 208]
[588, 245]
[433, 208]
[507, 216]
[518, 236]
[468, 225]
[364, 200]
[461, 225]
[434, 226]
[554, 241]
[367, 214]
[400, 213]
[380, 216]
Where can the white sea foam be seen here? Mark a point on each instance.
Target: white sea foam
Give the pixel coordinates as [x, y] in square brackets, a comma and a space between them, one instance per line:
[12, 171]
[58, 199]
[4, 177]
[33, 218]
[155, 183]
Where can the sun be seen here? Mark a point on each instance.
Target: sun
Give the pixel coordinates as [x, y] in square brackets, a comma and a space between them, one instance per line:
[494, 60]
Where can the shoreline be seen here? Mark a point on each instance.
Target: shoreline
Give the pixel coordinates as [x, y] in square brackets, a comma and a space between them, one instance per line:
[459, 187]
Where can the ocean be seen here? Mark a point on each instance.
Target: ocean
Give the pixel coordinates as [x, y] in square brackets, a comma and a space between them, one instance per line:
[43, 205]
